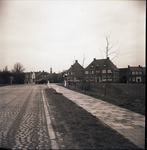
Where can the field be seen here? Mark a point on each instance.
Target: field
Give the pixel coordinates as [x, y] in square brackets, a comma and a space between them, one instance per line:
[130, 96]
[78, 129]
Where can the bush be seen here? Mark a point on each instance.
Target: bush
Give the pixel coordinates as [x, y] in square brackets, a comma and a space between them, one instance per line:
[5, 77]
[43, 81]
[18, 78]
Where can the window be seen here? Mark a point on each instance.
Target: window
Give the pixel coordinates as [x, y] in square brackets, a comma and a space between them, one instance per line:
[97, 67]
[91, 72]
[103, 78]
[103, 71]
[140, 72]
[109, 71]
[97, 71]
[110, 79]
[133, 79]
[133, 72]
[92, 65]
[136, 72]
[86, 72]
[71, 73]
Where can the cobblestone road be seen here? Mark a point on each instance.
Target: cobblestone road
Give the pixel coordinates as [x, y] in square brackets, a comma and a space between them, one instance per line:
[22, 118]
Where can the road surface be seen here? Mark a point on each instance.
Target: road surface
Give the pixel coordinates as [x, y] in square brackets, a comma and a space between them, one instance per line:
[23, 120]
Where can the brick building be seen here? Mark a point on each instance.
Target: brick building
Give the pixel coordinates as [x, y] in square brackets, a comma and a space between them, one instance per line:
[75, 72]
[101, 70]
[132, 74]
[31, 77]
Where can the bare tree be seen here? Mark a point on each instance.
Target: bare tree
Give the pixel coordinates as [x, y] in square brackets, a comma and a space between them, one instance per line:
[5, 69]
[18, 68]
[110, 50]
[18, 75]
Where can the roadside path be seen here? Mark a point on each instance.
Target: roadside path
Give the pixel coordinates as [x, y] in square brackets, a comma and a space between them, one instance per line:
[129, 124]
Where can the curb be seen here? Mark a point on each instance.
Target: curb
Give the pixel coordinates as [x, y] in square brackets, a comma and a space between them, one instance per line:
[51, 133]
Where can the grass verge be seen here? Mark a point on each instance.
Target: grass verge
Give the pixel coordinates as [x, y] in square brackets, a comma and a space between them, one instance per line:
[81, 130]
[129, 96]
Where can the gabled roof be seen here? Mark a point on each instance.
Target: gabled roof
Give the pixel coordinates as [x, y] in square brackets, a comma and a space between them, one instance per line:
[136, 68]
[123, 69]
[39, 73]
[75, 67]
[101, 64]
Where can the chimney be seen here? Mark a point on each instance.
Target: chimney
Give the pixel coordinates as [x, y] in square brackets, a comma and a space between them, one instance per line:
[94, 59]
[76, 61]
[108, 58]
[128, 66]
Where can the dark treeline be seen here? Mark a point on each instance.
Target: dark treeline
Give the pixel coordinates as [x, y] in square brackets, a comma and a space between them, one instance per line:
[7, 77]
[16, 76]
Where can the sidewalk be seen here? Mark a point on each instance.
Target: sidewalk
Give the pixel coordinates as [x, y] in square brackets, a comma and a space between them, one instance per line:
[129, 124]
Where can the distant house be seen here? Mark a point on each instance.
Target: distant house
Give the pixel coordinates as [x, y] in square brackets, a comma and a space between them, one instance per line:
[42, 76]
[101, 70]
[31, 77]
[134, 74]
[74, 73]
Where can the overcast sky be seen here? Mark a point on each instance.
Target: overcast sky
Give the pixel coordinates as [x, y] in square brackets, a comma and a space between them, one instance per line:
[44, 34]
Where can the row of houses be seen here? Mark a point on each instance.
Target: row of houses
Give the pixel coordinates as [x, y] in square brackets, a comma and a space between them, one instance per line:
[136, 74]
[31, 77]
[102, 70]
[99, 70]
